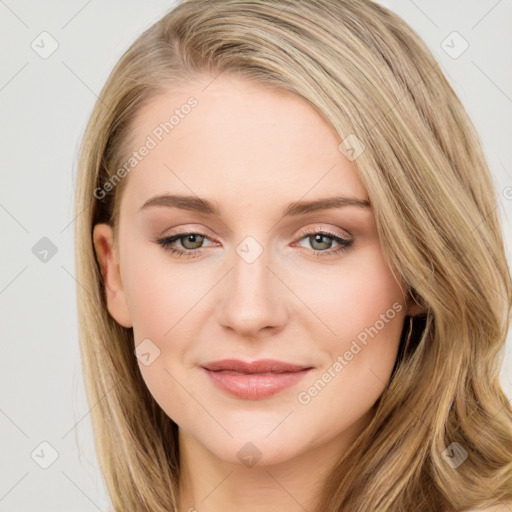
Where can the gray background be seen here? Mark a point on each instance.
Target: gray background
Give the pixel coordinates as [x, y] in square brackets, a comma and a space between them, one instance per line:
[45, 103]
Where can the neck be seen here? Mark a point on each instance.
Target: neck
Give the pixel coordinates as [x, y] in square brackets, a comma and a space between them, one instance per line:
[210, 484]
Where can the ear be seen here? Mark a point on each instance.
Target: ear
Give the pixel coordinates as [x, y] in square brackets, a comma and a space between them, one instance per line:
[103, 239]
[413, 304]
[413, 309]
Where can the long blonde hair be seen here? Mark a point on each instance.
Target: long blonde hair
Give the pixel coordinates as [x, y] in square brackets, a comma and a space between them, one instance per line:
[370, 76]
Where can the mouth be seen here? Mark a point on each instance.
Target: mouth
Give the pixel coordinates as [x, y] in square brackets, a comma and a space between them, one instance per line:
[254, 380]
[252, 367]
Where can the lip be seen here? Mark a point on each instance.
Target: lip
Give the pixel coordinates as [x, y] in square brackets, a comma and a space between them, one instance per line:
[259, 366]
[254, 380]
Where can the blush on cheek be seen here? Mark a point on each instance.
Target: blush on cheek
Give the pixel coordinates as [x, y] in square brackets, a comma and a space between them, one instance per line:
[369, 323]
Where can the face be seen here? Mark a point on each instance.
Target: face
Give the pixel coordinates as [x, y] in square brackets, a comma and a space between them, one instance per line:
[257, 273]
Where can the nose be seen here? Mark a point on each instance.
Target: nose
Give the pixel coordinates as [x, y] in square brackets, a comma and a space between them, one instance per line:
[252, 297]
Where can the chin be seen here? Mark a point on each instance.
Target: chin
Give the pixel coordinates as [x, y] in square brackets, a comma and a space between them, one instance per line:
[255, 450]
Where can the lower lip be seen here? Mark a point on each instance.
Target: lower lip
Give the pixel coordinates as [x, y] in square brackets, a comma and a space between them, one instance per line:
[255, 386]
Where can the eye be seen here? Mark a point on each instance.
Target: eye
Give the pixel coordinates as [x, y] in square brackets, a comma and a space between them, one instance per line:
[190, 242]
[321, 243]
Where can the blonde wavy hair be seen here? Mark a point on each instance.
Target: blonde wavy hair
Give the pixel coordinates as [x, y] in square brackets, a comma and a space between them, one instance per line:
[367, 73]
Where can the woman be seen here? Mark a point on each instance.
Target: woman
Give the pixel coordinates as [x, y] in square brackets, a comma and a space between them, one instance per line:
[294, 293]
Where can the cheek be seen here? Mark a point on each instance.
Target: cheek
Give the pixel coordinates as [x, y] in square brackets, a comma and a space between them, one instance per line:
[372, 301]
[159, 292]
[161, 298]
[361, 303]
[365, 309]
[370, 323]
[353, 298]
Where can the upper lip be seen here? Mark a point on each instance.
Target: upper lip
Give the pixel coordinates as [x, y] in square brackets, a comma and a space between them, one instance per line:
[260, 366]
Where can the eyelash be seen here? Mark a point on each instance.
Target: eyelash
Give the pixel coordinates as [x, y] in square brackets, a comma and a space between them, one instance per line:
[194, 253]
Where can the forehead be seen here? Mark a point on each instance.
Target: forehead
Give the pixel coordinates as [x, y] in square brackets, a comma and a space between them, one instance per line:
[236, 141]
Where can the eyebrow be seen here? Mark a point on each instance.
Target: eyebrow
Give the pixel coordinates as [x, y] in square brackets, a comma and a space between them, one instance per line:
[295, 208]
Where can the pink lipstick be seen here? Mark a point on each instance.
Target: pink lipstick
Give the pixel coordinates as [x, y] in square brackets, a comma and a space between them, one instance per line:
[254, 380]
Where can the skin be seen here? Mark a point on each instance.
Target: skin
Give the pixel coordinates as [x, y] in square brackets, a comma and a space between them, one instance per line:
[252, 150]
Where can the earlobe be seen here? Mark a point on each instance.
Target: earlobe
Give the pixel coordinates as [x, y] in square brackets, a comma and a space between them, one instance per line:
[413, 306]
[103, 239]
[414, 309]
